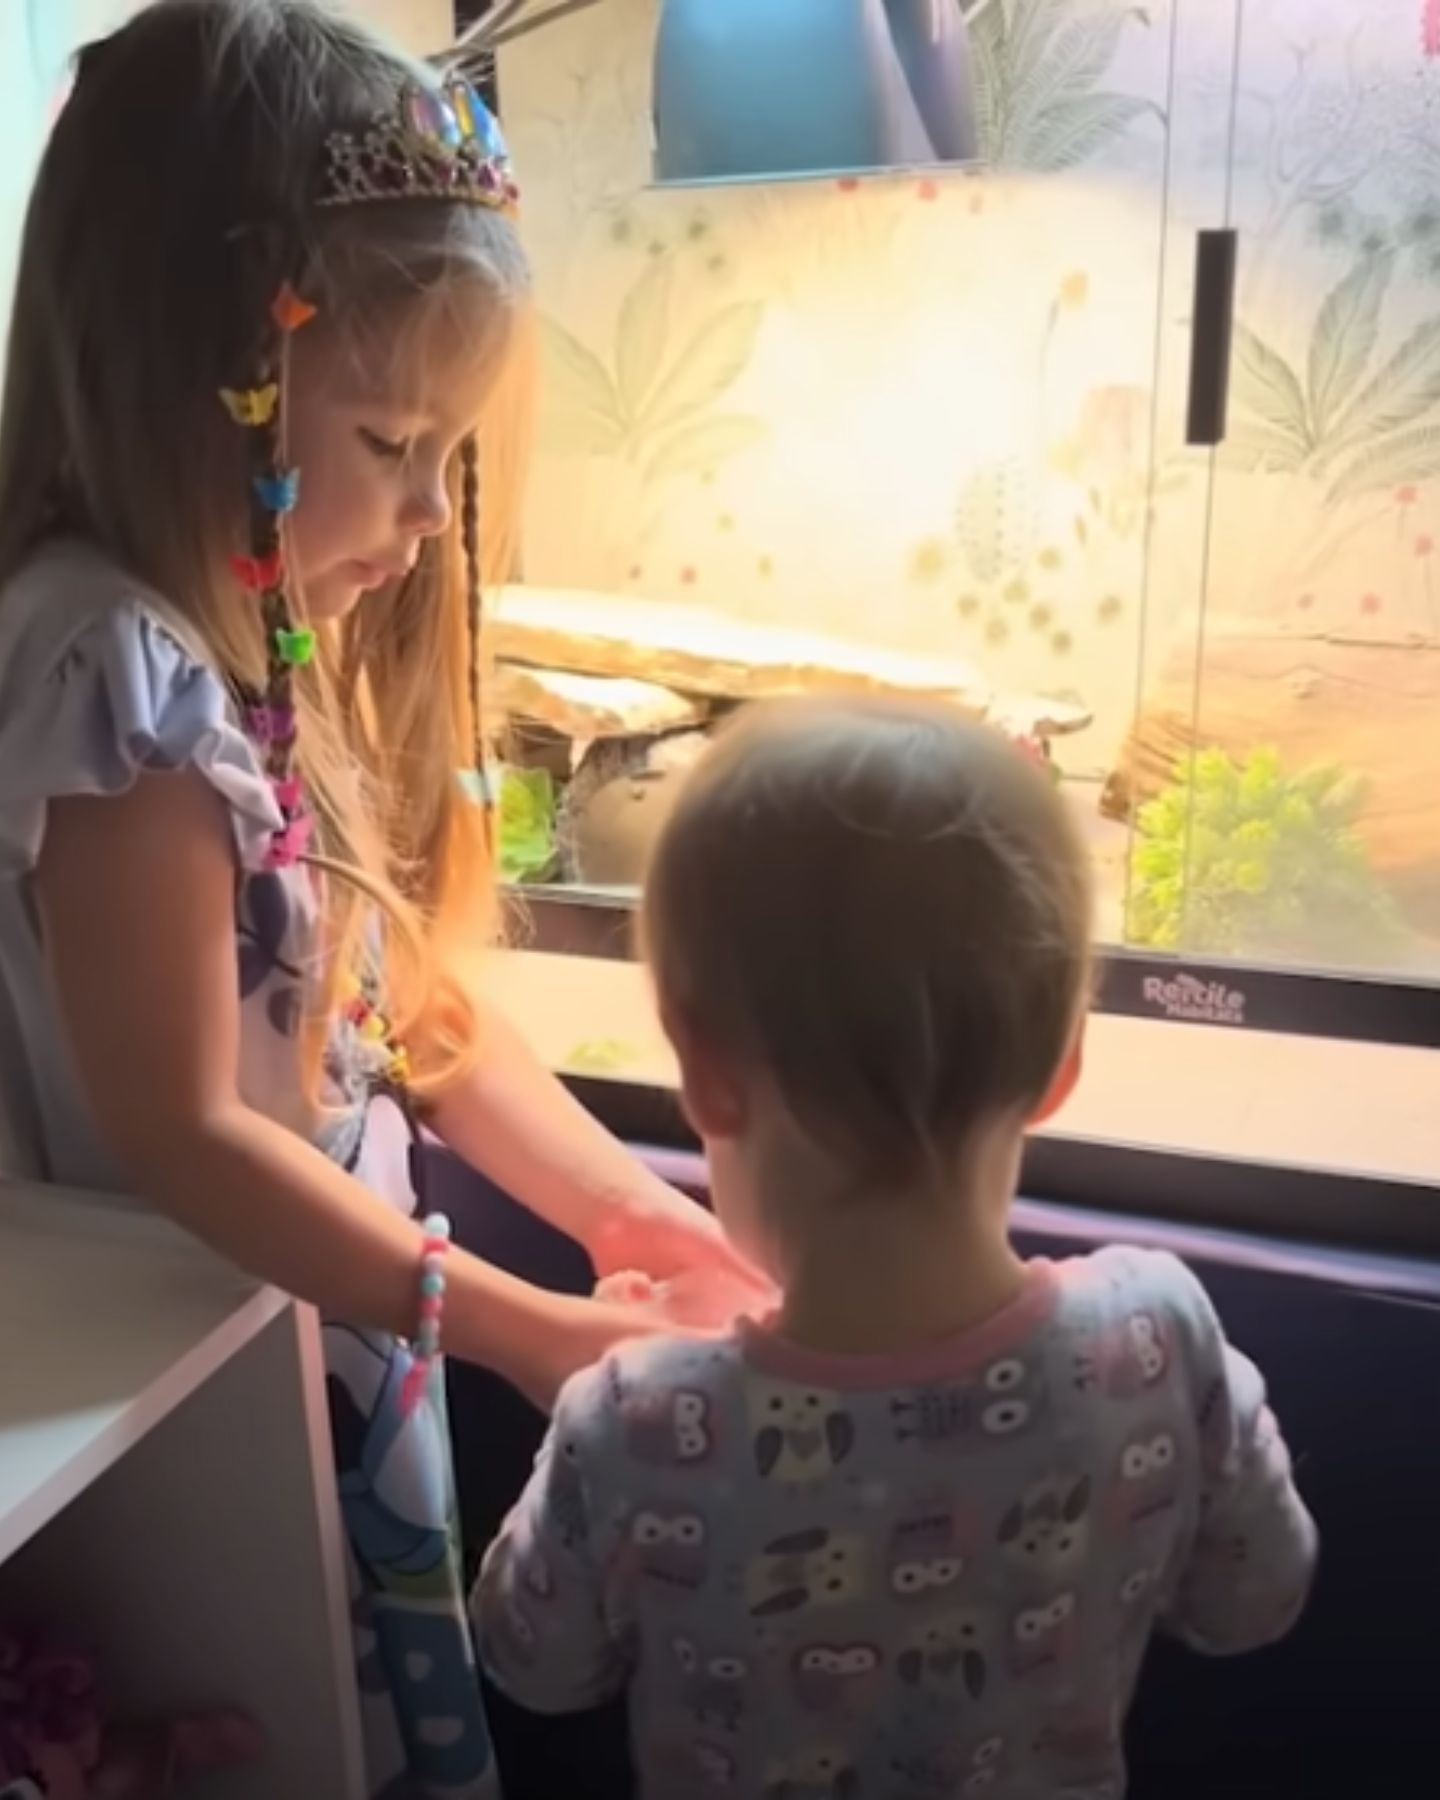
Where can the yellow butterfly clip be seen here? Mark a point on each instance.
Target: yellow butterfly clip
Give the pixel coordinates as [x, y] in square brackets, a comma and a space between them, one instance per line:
[252, 406]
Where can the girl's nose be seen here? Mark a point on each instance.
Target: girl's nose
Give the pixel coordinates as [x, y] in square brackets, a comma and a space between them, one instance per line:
[427, 504]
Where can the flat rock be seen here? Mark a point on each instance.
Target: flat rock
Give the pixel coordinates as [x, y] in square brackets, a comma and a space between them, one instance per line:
[701, 652]
[586, 707]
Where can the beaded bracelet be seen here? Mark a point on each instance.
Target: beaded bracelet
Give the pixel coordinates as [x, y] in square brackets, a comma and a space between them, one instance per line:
[425, 1345]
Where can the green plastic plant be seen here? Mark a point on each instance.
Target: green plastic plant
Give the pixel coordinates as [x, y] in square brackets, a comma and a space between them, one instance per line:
[1246, 859]
[527, 825]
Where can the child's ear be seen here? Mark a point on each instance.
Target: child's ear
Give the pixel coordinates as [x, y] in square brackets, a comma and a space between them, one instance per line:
[710, 1090]
[1063, 1086]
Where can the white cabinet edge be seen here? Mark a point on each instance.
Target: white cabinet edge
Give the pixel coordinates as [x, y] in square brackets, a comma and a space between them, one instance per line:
[47, 1460]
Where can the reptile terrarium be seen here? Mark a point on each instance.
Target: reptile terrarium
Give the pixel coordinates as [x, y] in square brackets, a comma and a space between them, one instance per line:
[936, 429]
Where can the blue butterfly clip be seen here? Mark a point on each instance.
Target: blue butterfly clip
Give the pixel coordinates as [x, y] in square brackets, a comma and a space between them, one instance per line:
[279, 493]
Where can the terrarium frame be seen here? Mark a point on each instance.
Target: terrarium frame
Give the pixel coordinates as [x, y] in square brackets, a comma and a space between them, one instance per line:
[1290, 1203]
[576, 921]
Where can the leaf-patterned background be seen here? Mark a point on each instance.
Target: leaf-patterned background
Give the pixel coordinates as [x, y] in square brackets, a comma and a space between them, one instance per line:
[819, 404]
[945, 413]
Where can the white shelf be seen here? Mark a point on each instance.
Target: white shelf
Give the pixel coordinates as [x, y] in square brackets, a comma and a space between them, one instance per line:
[108, 1320]
[166, 1495]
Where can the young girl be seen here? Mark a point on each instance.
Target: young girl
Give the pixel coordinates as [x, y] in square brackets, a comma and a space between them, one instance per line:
[908, 1539]
[268, 316]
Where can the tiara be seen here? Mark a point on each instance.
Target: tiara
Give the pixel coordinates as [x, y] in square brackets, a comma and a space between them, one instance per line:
[436, 145]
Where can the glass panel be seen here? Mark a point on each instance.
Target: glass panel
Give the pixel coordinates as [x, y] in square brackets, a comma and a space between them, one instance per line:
[1288, 744]
[894, 432]
[1186, 1089]
[944, 420]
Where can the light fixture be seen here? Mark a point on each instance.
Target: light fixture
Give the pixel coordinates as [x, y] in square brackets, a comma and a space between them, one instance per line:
[785, 90]
[500, 22]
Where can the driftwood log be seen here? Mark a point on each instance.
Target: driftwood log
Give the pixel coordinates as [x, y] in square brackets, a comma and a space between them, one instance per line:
[1364, 702]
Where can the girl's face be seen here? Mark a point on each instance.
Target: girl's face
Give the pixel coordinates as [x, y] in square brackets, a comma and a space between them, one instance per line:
[374, 445]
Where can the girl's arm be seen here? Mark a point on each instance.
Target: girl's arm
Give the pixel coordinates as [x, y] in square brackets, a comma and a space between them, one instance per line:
[137, 899]
[511, 1118]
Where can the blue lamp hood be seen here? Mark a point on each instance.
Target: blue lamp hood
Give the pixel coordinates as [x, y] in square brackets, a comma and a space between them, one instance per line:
[784, 90]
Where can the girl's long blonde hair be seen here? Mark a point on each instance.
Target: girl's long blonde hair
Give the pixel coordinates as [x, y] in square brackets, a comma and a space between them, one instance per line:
[174, 198]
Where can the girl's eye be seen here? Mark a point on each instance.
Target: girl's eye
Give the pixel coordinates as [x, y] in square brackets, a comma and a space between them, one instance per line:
[392, 449]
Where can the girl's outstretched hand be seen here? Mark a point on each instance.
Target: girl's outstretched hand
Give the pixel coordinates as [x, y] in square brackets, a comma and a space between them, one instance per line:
[704, 1281]
[697, 1302]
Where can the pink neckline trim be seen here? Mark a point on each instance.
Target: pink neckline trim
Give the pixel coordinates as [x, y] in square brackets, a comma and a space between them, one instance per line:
[950, 1359]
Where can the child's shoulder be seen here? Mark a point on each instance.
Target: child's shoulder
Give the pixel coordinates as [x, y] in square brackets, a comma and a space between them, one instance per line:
[664, 1364]
[100, 681]
[69, 593]
[66, 582]
[1122, 1282]
[673, 1377]
[1128, 1270]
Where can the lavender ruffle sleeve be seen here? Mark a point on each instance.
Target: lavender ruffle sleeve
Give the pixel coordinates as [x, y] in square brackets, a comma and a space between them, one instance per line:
[87, 712]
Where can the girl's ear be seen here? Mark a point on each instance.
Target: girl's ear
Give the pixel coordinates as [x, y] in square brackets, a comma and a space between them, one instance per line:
[1065, 1080]
[711, 1091]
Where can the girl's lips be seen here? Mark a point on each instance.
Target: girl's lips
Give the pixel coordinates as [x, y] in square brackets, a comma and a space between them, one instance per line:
[372, 575]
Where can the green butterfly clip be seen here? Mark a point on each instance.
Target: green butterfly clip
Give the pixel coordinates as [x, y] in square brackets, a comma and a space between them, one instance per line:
[296, 647]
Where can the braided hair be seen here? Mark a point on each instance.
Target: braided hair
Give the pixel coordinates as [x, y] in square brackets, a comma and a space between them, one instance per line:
[474, 608]
[274, 493]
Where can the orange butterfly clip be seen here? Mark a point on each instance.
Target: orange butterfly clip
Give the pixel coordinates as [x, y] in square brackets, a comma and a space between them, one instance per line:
[289, 311]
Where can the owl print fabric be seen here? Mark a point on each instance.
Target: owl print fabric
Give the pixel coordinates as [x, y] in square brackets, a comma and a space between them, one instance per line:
[921, 1578]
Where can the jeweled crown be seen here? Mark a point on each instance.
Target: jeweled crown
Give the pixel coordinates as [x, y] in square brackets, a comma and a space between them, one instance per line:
[436, 145]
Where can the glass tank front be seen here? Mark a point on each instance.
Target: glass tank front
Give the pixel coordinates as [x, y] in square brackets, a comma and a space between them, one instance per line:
[929, 433]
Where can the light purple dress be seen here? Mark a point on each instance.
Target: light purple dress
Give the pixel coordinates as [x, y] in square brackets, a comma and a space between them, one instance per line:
[99, 681]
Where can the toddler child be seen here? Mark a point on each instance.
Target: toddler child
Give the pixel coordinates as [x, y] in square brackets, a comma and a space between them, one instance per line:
[909, 1537]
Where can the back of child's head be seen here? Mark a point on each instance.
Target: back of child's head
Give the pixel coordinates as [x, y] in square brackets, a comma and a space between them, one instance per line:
[176, 198]
[883, 908]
